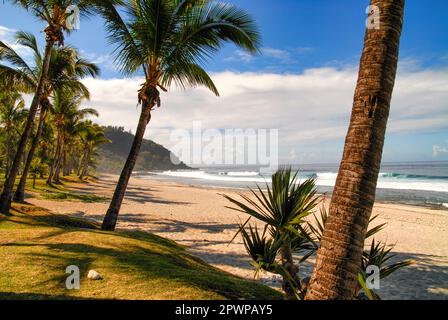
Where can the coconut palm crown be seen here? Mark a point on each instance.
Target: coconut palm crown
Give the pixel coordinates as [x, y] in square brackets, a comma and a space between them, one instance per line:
[169, 40]
[58, 14]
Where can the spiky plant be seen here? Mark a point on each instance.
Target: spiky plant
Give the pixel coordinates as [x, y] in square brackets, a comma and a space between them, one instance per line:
[282, 209]
[378, 253]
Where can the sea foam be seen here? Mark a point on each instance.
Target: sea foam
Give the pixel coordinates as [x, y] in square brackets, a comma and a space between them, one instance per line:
[326, 179]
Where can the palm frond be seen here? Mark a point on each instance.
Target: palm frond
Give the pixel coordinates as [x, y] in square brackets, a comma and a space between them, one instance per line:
[28, 40]
[128, 56]
[17, 79]
[10, 56]
[188, 75]
[371, 232]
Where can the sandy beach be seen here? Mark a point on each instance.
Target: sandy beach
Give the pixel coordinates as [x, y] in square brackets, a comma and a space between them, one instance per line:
[197, 218]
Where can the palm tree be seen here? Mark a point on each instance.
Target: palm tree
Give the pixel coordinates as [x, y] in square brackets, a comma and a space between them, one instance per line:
[45, 145]
[56, 14]
[66, 116]
[12, 112]
[168, 40]
[65, 71]
[91, 135]
[339, 257]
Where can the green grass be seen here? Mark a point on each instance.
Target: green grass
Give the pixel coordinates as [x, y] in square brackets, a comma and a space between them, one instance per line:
[59, 192]
[70, 196]
[37, 246]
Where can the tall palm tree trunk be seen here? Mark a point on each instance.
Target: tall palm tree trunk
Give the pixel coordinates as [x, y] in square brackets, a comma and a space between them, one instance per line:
[79, 165]
[339, 257]
[85, 165]
[23, 160]
[50, 175]
[6, 196]
[56, 178]
[110, 220]
[55, 159]
[19, 195]
[8, 151]
[66, 165]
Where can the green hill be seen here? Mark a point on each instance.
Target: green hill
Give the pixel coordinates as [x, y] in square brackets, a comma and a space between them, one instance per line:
[152, 157]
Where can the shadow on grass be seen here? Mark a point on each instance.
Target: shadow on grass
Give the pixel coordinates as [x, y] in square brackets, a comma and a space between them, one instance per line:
[164, 261]
[142, 256]
[28, 217]
[36, 296]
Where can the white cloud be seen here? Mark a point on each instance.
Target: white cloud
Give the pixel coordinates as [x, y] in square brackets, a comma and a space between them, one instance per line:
[276, 53]
[310, 108]
[7, 35]
[240, 55]
[438, 150]
[279, 55]
[106, 61]
[303, 50]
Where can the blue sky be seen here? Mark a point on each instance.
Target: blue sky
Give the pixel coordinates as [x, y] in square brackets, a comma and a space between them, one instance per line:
[306, 33]
[303, 41]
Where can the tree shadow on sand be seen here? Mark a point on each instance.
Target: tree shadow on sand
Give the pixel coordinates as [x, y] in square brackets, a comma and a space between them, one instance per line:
[173, 225]
[426, 279]
[144, 195]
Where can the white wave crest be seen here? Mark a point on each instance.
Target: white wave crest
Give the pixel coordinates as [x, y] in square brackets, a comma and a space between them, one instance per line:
[202, 175]
[325, 179]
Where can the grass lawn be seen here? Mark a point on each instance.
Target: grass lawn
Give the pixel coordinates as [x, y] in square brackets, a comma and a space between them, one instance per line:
[37, 246]
[58, 192]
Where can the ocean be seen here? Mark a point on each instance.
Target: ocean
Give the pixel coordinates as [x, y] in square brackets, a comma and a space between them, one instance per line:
[416, 183]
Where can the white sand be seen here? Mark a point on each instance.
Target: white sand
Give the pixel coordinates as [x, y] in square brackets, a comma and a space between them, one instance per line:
[197, 218]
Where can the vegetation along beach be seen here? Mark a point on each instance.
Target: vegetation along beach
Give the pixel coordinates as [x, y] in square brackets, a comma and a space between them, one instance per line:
[209, 150]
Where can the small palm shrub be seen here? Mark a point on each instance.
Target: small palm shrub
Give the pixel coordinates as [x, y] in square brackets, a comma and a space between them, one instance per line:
[281, 210]
[286, 239]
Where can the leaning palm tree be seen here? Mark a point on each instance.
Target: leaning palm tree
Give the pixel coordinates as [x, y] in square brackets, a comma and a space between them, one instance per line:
[65, 71]
[168, 40]
[56, 14]
[340, 254]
